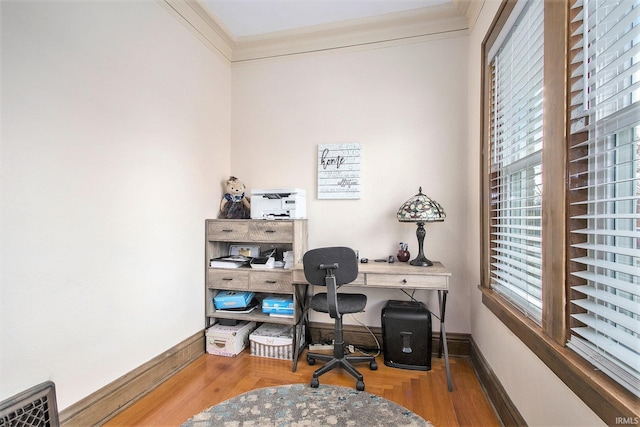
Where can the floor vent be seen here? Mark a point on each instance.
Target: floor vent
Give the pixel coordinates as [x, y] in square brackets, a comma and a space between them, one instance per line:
[35, 407]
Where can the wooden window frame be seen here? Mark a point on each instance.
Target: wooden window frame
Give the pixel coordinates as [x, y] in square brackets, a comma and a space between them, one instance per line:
[610, 401]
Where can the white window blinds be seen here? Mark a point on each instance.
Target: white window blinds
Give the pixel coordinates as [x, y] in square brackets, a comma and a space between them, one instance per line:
[604, 179]
[516, 160]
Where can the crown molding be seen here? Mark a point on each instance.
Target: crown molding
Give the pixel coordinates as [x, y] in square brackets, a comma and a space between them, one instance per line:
[452, 19]
[400, 26]
[471, 9]
[197, 17]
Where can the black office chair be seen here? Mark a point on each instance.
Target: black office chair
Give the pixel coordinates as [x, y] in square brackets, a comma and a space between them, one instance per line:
[333, 267]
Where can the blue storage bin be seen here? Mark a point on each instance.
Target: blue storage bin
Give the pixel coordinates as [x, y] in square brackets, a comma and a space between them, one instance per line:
[278, 304]
[232, 299]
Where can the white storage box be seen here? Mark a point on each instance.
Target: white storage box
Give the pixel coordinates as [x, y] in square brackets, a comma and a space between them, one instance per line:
[228, 340]
[273, 341]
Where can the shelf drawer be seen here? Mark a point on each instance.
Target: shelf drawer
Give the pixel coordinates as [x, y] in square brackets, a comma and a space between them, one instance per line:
[271, 231]
[228, 231]
[271, 281]
[228, 279]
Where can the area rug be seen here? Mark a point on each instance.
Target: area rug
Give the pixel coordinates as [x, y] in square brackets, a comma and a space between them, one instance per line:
[300, 405]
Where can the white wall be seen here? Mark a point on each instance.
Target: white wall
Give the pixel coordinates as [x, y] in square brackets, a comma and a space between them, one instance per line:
[406, 106]
[115, 137]
[540, 396]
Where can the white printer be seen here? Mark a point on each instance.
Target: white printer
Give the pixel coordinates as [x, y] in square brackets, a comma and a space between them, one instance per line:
[283, 203]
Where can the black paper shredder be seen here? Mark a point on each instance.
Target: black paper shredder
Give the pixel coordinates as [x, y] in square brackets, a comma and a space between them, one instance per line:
[406, 335]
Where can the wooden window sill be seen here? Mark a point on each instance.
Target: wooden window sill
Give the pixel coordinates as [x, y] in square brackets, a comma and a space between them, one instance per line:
[610, 401]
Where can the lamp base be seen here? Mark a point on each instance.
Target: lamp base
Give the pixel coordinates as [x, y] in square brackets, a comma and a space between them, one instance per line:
[421, 261]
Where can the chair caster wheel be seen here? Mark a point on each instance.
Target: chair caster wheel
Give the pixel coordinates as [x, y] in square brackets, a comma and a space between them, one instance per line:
[311, 360]
[359, 385]
[373, 366]
[315, 383]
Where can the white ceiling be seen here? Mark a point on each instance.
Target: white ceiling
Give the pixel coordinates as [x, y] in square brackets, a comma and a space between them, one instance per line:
[253, 17]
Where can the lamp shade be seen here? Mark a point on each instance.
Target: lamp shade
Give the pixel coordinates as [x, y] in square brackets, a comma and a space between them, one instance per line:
[421, 208]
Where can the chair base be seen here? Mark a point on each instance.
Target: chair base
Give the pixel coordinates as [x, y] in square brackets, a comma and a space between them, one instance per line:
[344, 362]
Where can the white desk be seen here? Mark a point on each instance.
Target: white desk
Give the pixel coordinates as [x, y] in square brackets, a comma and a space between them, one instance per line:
[400, 275]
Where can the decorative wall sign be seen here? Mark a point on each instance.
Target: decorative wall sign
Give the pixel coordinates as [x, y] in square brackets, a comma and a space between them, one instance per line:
[339, 171]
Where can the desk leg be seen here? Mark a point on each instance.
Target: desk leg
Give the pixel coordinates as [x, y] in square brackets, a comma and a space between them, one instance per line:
[442, 300]
[301, 325]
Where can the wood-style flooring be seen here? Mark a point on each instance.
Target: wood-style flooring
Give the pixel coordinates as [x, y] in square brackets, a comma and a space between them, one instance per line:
[212, 379]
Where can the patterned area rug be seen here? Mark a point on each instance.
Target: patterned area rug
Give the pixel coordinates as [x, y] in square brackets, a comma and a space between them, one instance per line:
[300, 405]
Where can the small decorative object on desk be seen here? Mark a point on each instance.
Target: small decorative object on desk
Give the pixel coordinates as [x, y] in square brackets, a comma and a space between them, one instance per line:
[234, 204]
[403, 254]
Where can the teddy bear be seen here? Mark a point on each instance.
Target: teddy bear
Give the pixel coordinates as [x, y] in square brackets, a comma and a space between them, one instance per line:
[234, 204]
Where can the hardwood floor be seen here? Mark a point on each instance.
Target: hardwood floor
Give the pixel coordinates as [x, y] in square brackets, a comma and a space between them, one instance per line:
[212, 379]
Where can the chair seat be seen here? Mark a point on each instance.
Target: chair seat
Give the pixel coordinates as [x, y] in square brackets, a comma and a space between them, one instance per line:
[347, 303]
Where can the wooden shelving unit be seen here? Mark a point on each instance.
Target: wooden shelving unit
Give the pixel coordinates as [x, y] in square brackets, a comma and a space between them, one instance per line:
[282, 235]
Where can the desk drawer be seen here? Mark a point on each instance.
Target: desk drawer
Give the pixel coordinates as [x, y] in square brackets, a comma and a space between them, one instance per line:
[360, 280]
[271, 281]
[410, 281]
[228, 279]
[298, 277]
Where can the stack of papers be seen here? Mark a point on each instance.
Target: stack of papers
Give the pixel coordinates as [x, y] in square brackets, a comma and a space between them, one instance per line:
[231, 261]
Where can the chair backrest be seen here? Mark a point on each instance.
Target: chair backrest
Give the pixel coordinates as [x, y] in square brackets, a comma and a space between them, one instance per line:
[344, 257]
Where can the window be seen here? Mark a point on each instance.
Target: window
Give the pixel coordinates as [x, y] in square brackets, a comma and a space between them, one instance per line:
[516, 160]
[604, 181]
[561, 190]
